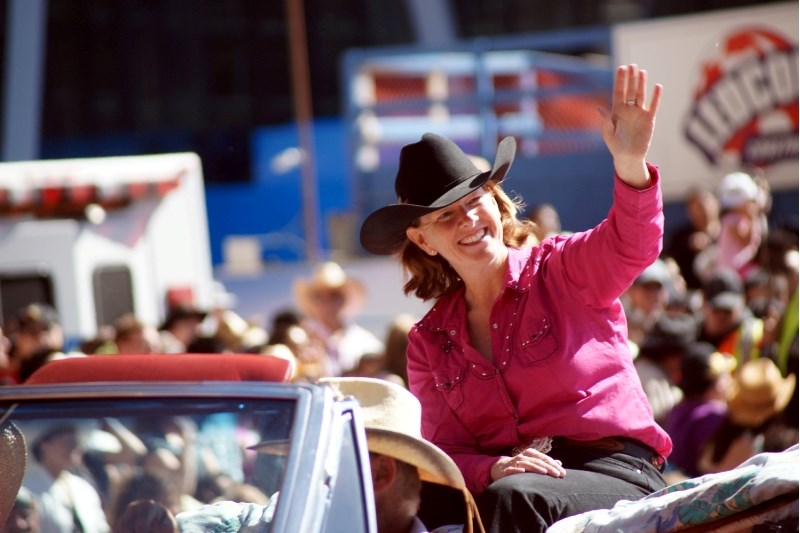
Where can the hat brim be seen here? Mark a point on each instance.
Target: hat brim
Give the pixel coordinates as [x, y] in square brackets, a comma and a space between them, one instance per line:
[272, 446]
[434, 465]
[384, 231]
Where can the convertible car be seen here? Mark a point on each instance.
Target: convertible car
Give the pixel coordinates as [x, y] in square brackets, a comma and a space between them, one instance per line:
[129, 411]
[206, 418]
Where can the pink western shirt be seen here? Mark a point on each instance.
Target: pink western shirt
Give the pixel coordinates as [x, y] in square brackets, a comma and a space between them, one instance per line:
[562, 366]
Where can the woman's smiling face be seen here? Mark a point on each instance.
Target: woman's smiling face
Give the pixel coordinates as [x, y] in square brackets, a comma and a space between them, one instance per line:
[465, 230]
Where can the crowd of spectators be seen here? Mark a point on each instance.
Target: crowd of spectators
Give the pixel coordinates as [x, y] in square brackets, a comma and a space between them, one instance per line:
[713, 324]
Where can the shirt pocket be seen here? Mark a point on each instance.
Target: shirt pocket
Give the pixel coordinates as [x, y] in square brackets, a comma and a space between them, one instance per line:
[450, 383]
[538, 342]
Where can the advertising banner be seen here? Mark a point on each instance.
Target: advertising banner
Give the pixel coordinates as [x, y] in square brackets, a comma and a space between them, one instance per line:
[730, 93]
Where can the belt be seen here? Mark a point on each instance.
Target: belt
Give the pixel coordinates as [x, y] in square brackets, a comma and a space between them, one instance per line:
[625, 445]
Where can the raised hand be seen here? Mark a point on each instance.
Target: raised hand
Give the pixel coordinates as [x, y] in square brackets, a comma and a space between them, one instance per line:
[628, 127]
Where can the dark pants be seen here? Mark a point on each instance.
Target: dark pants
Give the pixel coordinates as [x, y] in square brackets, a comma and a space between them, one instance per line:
[596, 479]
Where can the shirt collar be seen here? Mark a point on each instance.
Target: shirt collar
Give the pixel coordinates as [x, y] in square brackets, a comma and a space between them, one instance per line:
[518, 274]
[448, 312]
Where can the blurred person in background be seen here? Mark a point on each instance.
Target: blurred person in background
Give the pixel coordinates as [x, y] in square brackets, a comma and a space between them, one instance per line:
[220, 325]
[101, 342]
[208, 344]
[726, 321]
[742, 224]
[282, 320]
[110, 452]
[547, 221]
[680, 298]
[783, 348]
[697, 235]
[40, 358]
[226, 326]
[236, 334]
[658, 363]
[309, 353]
[329, 301]
[131, 336]
[778, 255]
[645, 300]
[174, 451]
[705, 379]
[36, 339]
[35, 327]
[762, 292]
[146, 516]
[756, 399]
[67, 501]
[373, 365]
[397, 344]
[391, 364]
[140, 485]
[6, 377]
[180, 327]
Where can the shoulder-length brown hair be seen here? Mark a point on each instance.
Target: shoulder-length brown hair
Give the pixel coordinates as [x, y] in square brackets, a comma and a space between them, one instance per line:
[431, 277]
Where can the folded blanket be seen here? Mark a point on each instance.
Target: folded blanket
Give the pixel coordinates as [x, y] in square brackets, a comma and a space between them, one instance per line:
[765, 486]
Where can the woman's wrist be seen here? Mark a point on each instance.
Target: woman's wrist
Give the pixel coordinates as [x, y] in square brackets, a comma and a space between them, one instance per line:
[633, 172]
[498, 468]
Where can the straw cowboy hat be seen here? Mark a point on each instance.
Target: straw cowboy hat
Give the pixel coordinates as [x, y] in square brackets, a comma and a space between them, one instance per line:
[13, 459]
[329, 276]
[392, 418]
[433, 173]
[759, 392]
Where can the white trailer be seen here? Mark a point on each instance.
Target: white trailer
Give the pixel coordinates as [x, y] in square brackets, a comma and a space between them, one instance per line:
[100, 237]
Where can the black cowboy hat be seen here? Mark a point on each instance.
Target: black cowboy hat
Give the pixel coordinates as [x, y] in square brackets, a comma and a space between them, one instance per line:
[433, 173]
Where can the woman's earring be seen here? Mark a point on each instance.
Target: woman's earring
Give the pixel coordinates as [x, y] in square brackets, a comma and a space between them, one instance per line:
[431, 252]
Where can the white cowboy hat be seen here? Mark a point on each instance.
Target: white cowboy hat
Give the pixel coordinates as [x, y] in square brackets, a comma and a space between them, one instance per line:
[329, 276]
[392, 418]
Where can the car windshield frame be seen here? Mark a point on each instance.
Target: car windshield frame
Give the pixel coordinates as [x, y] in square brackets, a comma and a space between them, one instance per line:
[304, 472]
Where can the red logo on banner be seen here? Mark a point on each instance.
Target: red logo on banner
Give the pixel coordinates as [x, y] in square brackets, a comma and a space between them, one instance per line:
[744, 110]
